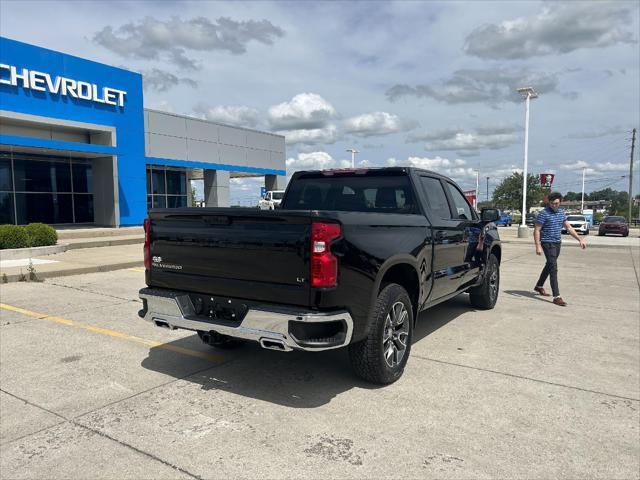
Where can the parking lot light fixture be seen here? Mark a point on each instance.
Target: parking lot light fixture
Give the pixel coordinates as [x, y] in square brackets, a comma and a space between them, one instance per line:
[527, 93]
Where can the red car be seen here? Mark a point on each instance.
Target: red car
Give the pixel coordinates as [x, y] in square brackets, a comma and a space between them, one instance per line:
[617, 225]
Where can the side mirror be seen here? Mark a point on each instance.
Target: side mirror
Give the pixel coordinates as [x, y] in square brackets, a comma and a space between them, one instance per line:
[490, 214]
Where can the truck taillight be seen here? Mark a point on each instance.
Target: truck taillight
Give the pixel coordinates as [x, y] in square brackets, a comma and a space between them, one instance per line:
[147, 243]
[324, 265]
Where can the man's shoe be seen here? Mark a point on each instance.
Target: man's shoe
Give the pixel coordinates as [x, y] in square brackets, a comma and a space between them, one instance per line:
[541, 291]
[560, 302]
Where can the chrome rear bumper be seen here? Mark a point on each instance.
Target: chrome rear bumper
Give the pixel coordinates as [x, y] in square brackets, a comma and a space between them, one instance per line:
[268, 325]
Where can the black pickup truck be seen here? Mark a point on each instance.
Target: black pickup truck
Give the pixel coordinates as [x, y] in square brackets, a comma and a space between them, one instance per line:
[349, 260]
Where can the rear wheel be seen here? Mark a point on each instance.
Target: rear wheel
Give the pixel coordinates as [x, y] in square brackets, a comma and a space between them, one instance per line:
[382, 356]
[217, 340]
[485, 295]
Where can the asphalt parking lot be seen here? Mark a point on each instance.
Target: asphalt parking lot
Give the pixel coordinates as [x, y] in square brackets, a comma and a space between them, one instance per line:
[528, 390]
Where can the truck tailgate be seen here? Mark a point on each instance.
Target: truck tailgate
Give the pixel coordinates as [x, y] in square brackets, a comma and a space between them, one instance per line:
[244, 253]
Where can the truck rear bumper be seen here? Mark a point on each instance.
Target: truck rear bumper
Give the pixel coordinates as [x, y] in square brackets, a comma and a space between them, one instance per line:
[272, 326]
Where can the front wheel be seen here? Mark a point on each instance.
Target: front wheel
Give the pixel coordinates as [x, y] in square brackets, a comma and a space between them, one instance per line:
[381, 357]
[485, 295]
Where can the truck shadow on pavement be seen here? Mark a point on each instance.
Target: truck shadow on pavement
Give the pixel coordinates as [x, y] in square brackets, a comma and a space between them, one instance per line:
[293, 379]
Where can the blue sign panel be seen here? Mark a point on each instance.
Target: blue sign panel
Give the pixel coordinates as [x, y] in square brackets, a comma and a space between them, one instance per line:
[38, 81]
[263, 191]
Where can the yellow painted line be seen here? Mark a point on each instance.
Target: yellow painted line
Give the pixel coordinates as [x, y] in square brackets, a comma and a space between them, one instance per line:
[136, 269]
[111, 333]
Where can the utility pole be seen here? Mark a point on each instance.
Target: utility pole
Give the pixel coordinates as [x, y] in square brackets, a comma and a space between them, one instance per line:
[582, 202]
[487, 189]
[633, 146]
[528, 93]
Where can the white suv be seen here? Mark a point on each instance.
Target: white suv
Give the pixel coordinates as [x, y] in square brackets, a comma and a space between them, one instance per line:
[579, 224]
[271, 200]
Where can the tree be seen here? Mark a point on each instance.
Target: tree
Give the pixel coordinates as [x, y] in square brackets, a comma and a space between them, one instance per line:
[193, 196]
[509, 193]
[572, 197]
[605, 194]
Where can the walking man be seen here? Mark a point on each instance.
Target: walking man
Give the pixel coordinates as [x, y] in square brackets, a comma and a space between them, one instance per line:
[548, 229]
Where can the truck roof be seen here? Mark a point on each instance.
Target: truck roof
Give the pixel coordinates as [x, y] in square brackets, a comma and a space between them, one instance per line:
[368, 170]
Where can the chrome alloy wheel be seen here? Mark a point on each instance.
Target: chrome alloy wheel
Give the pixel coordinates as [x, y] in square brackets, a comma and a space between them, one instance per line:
[493, 282]
[396, 334]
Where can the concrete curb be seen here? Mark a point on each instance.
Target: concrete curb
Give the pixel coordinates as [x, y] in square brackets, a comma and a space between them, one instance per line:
[105, 243]
[31, 252]
[15, 277]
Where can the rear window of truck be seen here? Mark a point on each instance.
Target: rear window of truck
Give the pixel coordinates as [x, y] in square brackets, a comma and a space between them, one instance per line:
[382, 194]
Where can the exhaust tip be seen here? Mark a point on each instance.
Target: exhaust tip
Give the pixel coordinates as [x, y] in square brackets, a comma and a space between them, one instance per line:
[273, 344]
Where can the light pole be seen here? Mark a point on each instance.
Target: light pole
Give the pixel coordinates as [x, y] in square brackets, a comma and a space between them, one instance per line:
[527, 93]
[487, 189]
[582, 202]
[476, 199]
[353, 156]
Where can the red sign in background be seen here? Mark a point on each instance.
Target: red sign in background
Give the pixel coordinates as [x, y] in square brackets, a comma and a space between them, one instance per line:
[546, 179]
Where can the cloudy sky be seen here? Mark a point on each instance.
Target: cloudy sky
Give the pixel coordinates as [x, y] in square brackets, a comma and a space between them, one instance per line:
[429, 84]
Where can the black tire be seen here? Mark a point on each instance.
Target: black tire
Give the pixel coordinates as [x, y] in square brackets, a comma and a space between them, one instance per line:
[217, 340]
[485, 295]
[601, 234]
[368, 357]
[587, 232]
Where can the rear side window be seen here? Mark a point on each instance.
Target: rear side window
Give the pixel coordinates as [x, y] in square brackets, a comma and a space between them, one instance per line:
[460, 204]
[436, 197]
[382, 194]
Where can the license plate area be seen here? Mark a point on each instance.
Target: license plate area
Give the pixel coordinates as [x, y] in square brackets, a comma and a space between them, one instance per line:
[218, 309]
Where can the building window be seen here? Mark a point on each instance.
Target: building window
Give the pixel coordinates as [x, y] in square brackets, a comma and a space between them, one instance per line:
[48, 189]
[166, 187]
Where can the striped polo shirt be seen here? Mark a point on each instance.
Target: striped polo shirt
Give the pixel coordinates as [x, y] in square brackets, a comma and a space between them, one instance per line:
[551, 224]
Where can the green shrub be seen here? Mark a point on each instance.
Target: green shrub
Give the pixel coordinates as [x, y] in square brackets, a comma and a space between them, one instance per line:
[13, 236]
[41, 235]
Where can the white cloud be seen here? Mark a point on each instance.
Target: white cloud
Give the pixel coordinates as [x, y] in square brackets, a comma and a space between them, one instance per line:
[561, 27]
[612, 166]
[151, 38]
[161, 80]
[305, 111]
[490, 85]
[455, 169]
[597, 168]
[578, 165]
[315, 161]
[327, 135]
[231, 114]
[377, 123]
[467, 143]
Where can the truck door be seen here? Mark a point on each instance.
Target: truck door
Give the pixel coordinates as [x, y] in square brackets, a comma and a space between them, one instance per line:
[471, 228]
[448, 234]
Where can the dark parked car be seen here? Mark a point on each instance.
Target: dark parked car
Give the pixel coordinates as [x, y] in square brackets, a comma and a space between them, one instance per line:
[530, 219]
[349, 260]
[617, 225]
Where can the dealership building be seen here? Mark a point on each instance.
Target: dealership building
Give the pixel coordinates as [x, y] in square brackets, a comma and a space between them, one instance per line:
[78, 147]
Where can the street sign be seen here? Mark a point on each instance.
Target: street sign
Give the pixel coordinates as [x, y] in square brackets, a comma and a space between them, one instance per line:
[263, 191]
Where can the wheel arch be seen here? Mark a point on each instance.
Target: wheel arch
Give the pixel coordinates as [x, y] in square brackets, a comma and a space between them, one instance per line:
[404, 273]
